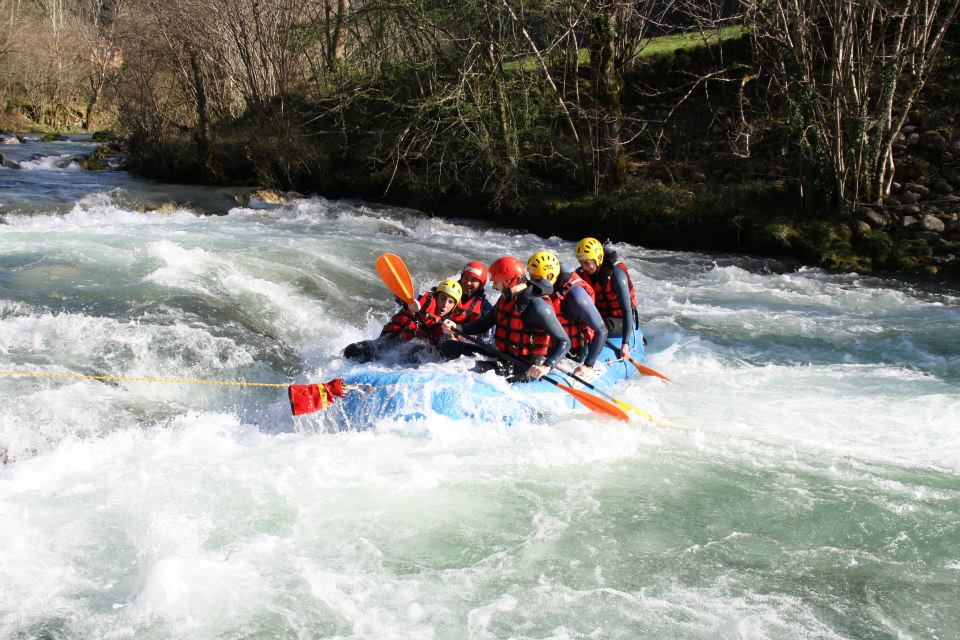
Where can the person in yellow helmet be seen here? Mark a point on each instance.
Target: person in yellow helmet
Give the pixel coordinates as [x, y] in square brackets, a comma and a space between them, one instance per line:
[614, 294]
[573, 301]
[421, 318]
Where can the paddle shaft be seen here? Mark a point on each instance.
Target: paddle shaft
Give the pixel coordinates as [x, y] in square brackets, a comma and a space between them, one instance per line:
[645, 370]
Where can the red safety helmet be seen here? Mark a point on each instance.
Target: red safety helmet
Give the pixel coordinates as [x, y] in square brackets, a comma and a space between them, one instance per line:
[507, 270]
[476, 269]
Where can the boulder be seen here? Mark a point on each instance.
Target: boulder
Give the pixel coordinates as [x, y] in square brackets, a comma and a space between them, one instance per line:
[53, 137]
[942, 187]
[909, 197]
[914, 187]
[911, 210]
[8, 138]
[930, 237]
[861, 227]
[911, 169]
[932, 223]
[913, 140]
[872, 218]
[933, 141]
[908, 221]
[908, 129]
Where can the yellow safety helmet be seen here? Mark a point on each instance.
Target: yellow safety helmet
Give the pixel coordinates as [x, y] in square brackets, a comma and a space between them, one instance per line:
[589, 249]
[452, 288]
[543, 265]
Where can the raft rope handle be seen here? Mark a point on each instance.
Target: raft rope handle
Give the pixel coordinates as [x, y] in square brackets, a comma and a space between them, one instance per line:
[234, 383]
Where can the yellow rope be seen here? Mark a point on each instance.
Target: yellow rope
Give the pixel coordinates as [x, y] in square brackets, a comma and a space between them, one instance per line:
[80, 376]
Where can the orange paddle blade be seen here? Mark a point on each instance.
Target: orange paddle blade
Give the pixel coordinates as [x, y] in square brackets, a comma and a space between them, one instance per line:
[396, 276]
[647, 371]
[595, 404]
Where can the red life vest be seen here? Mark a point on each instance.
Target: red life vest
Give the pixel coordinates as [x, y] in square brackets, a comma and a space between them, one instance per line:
[606, 298]
[469, 310]
[513, 337]
[405, 324]
[579, 333]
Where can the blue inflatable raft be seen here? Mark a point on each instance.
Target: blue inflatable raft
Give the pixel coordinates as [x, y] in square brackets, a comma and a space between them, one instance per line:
[451, 390]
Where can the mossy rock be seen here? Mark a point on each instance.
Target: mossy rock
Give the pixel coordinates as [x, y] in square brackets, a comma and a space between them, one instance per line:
[877, 246]
[104, 136]
[53, 137]
[92, 163]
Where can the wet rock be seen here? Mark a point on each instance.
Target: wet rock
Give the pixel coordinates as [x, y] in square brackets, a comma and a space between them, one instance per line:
[53, 137]
[162, 208]
[913, 140]
[932, 223]
[908, 129]
[909, 221]
[8, 138]
[909, 197]
[267, 196]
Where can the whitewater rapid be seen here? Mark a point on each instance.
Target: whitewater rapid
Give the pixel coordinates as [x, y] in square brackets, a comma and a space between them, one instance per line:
[803, 480]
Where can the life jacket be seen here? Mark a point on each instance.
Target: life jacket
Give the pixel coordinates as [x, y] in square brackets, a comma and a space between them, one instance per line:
[513, 337]
[470, 309]
[606, 298]
[406, 325]
[580, 333]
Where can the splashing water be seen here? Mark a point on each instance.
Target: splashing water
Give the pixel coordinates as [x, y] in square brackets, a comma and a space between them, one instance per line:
[804, 482]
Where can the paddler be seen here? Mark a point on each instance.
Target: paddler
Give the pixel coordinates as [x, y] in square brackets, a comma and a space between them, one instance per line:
[421, 318]
[573, 301]
[474, 304]
[524, 322]
[612, 287]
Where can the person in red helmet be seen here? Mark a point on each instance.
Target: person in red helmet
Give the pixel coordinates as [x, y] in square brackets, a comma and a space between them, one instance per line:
[524, 322]
[474, 305]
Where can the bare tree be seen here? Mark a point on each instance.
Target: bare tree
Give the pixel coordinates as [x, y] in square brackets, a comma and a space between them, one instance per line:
[850, 71]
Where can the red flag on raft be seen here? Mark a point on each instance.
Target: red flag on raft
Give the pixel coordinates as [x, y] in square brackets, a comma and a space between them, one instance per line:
[307, 398]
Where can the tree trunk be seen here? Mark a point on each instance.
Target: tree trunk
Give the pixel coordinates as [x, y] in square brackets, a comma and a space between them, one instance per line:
[202, 132]
[607, 82]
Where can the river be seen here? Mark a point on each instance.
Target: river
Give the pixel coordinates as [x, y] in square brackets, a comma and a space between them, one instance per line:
[803, 480]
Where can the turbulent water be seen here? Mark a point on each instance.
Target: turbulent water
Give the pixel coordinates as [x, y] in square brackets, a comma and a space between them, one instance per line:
[803, 480]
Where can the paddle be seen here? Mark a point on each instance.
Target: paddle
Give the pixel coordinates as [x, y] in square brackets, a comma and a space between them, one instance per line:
[645, 370]
[620, 403]
[395, 275]
[592, 402]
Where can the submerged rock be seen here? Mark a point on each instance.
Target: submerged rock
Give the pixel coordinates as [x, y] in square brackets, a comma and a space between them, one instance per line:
[162, 208]
[267, 196]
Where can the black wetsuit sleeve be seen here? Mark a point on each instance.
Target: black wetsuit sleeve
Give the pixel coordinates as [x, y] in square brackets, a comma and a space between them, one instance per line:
[481, 325]
[621, 287]
[578, 306]
[539, 313]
